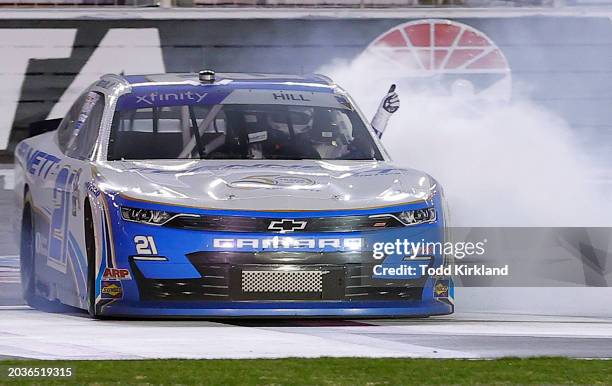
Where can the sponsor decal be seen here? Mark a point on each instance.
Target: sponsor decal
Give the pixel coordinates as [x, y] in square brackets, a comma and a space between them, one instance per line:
[116, 274]
[287, 225]
[75, 195]
[105, 83]
[151, 98]
[254, 96]
[290, 167]
[38, 163]
[258, 136]
[288, 243]
[92, 188]
[442, 289]
[272, 181]
[111, 289]
[289, 97]
[344, 102]
[90, 101]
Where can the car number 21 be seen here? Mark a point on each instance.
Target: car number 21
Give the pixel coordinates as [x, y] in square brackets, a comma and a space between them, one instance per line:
[145, 245]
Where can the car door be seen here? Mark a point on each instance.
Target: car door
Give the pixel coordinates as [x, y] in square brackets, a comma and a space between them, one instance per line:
[76, 139]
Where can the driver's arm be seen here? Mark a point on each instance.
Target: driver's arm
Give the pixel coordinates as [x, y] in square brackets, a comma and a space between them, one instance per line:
[389, 105]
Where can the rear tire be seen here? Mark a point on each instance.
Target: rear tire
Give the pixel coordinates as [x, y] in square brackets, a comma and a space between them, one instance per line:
[90, 247]
[27, 254]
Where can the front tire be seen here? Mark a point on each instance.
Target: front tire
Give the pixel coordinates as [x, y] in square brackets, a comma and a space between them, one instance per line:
[27, 254]
[90, 246]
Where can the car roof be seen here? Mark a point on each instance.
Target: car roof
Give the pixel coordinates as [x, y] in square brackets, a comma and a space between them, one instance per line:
[228, 77]
[227, 81]
[165, 89]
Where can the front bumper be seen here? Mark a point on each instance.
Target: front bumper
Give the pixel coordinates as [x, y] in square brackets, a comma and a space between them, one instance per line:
[188, 276]
[280, 309]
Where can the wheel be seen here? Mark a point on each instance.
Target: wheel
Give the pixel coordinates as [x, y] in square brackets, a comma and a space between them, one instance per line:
[27, 253]
[90, 247]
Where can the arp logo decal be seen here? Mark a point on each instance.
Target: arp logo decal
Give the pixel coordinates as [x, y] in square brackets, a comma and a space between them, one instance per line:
[445, 56]
[116, 274]
[111, 289]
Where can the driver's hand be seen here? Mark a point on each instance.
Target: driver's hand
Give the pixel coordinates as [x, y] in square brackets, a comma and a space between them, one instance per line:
[391, 103]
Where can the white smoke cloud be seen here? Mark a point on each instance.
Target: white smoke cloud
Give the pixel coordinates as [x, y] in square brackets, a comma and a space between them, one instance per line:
[501, 164]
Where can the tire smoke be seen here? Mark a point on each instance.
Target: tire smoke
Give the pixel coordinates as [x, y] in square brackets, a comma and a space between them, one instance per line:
[501, 163]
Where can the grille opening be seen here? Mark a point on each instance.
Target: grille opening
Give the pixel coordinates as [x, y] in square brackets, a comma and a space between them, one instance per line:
[282, 281]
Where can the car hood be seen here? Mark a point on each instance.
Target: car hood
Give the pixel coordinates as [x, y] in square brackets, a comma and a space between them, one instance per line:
[266, 185]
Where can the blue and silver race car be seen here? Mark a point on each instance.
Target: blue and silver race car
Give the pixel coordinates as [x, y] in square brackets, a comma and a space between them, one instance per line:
[221, 195]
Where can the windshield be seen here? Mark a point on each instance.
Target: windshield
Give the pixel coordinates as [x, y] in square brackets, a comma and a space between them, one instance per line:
[240, 131]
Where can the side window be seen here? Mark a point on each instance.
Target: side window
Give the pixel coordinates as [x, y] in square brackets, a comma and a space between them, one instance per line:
[78, 132]
[65, 130]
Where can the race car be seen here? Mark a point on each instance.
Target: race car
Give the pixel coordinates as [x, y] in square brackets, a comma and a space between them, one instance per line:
[224, 195]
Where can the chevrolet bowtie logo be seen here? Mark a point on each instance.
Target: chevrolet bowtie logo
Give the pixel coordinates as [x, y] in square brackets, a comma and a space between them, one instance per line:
[284, 225]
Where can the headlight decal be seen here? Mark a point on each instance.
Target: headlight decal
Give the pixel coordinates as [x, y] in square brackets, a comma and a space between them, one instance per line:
[418, 216]
[146, 216]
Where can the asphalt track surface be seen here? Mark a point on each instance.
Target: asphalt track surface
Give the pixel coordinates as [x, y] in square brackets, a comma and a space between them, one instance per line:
[70, 334]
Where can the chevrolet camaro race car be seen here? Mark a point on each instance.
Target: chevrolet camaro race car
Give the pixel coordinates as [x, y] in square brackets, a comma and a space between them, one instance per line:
[221, 195]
